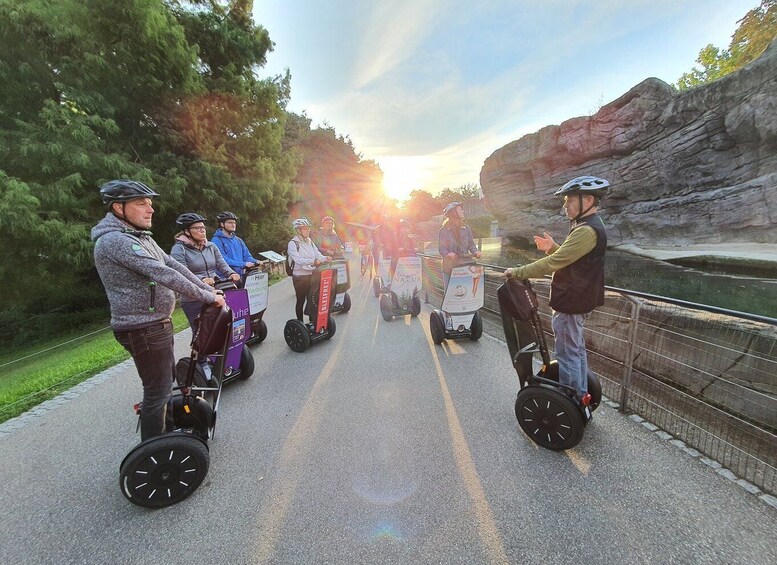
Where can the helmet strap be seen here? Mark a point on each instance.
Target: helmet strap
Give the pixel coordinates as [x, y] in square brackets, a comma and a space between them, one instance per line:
[123, 216]
[582, 212]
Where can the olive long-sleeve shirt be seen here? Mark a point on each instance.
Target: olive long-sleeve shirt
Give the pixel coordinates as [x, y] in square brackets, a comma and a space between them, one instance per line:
[578, 243]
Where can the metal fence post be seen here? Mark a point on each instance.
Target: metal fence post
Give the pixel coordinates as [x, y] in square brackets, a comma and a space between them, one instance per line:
[632, 345]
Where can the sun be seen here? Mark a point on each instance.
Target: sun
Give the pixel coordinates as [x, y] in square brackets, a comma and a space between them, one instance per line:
[402, 175]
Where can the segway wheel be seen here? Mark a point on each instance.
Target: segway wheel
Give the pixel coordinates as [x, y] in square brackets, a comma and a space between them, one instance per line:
[346, 303]
[246, 364]
[437, 327]
[296, 335]
[164, 470]
[331, 327]
[476, 329]
[549, 417]
[258, 332]
[386, 307]
[416, 307]
[377, 284]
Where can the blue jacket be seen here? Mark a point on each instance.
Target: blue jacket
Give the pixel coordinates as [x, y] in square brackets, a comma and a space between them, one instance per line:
[233, 249]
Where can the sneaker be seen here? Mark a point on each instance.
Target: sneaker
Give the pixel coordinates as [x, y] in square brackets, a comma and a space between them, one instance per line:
[208, 372]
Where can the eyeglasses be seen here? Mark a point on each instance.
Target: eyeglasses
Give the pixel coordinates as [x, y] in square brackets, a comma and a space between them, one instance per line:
[201, 228]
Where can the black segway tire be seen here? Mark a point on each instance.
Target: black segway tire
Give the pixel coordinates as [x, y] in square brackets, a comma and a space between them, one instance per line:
[331, 327]
[549, 417]
[377, 285]
[476, 328]
[346, 303]
[246, 364]
[386, 307]
[296, 335]
[437, 327]
[258, 333]
[163, 470]
[416, 307]
[594, 386]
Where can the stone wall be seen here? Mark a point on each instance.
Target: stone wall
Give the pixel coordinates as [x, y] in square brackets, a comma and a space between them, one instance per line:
[693, 167]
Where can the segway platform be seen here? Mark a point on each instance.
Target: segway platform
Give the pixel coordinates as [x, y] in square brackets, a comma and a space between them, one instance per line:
[552, 414]
[459, 317]
[321, 327]
[165, 469]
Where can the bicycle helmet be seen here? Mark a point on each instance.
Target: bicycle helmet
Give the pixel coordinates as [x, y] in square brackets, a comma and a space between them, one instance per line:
[325, 218]
[585, 185]
[124, 190]
[224, 216]
[450, 208]
[301, 223]
[187, 219]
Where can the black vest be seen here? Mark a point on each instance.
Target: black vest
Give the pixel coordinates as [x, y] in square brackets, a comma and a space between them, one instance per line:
[579, 288]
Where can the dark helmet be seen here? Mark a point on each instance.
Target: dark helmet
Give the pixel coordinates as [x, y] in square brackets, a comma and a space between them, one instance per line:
[584, 185]
[224, 216]
[450, 208]
[123, 190]
[187, 219]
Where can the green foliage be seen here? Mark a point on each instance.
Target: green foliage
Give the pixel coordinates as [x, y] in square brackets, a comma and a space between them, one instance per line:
[162, 92]
[421, 205]
[756, 30]
[333, 179]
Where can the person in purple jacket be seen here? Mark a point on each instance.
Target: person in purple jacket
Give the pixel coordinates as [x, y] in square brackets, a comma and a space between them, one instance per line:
[141, 281]
[232, 247]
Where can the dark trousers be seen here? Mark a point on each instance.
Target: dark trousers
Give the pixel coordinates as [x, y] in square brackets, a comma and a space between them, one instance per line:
[301, 288]
[152, 350]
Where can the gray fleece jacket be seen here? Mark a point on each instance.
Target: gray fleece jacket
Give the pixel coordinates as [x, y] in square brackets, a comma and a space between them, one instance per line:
[139, 278]
[203, 263]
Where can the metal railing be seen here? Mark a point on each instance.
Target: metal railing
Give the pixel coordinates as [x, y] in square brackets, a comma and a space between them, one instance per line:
[705, 375]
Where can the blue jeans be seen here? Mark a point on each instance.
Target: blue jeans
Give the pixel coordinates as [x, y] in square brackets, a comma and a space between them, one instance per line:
[152, 350]
[570, 350]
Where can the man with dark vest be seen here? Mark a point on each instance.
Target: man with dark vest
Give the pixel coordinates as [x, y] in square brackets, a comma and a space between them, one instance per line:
[577, 266]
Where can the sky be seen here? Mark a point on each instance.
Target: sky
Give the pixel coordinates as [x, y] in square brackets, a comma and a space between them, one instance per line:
[430, 88]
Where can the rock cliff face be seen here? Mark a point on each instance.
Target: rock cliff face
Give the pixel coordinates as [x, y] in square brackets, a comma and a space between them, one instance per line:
[692, 167]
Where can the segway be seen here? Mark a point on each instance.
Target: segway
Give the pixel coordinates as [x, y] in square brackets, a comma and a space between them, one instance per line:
[300, 335]
[459, 317]
[401, 297]
[342, 301]
[381, 276]
[552, 414]
[165, 469]
[256, 280]
[239, 361]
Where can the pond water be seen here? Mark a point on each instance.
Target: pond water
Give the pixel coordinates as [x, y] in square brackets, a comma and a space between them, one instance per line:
[715, 287]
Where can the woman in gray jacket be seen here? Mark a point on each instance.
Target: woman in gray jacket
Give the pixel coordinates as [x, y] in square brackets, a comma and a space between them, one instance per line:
[193, 250]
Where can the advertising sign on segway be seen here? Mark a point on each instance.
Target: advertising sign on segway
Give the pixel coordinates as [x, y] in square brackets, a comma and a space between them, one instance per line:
[342, 301]
[458, 316]
[257, 283]
[401, 296]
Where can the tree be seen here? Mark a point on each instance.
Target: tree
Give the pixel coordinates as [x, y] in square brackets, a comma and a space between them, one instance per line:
[756, 30]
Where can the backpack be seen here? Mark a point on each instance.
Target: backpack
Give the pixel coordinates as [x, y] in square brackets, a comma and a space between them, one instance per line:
[289, 263]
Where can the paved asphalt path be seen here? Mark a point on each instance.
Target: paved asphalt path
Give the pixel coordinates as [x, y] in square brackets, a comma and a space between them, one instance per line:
[374, 447]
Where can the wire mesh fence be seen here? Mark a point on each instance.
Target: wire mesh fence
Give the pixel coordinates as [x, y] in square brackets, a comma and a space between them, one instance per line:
[705, 375]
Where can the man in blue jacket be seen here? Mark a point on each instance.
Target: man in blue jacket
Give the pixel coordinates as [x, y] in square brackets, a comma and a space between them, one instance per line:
[232, 247]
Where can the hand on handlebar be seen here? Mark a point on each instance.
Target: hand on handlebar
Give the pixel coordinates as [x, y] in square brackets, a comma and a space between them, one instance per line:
[209, 281]
[234, 277]
[218, 298]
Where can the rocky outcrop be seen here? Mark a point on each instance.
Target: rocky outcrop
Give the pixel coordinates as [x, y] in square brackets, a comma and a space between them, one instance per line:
[693, 167]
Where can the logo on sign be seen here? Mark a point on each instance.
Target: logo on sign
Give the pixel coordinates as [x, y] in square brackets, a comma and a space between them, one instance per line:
[325, 292]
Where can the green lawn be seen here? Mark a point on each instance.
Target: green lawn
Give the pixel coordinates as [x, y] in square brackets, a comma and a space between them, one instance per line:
[35, 375]
[29, 377]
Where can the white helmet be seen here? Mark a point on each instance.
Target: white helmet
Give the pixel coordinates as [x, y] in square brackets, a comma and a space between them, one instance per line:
[585, 185]
[301, 223]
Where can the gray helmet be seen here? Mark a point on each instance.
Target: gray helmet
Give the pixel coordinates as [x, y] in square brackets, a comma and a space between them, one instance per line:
[301, 222]
[450, 208]
[187, 219]
[584, 185]
[123, 190]
[224, 216]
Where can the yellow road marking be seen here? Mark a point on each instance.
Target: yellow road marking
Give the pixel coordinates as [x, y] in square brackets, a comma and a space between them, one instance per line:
[484, 517]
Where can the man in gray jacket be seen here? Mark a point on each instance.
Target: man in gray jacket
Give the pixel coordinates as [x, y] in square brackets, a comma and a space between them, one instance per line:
[141, 281]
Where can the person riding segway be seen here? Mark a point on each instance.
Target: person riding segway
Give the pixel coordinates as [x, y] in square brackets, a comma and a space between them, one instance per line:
[463, 288]
[577, 285]
[330, 244]
[254, 277]
[399, 296]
